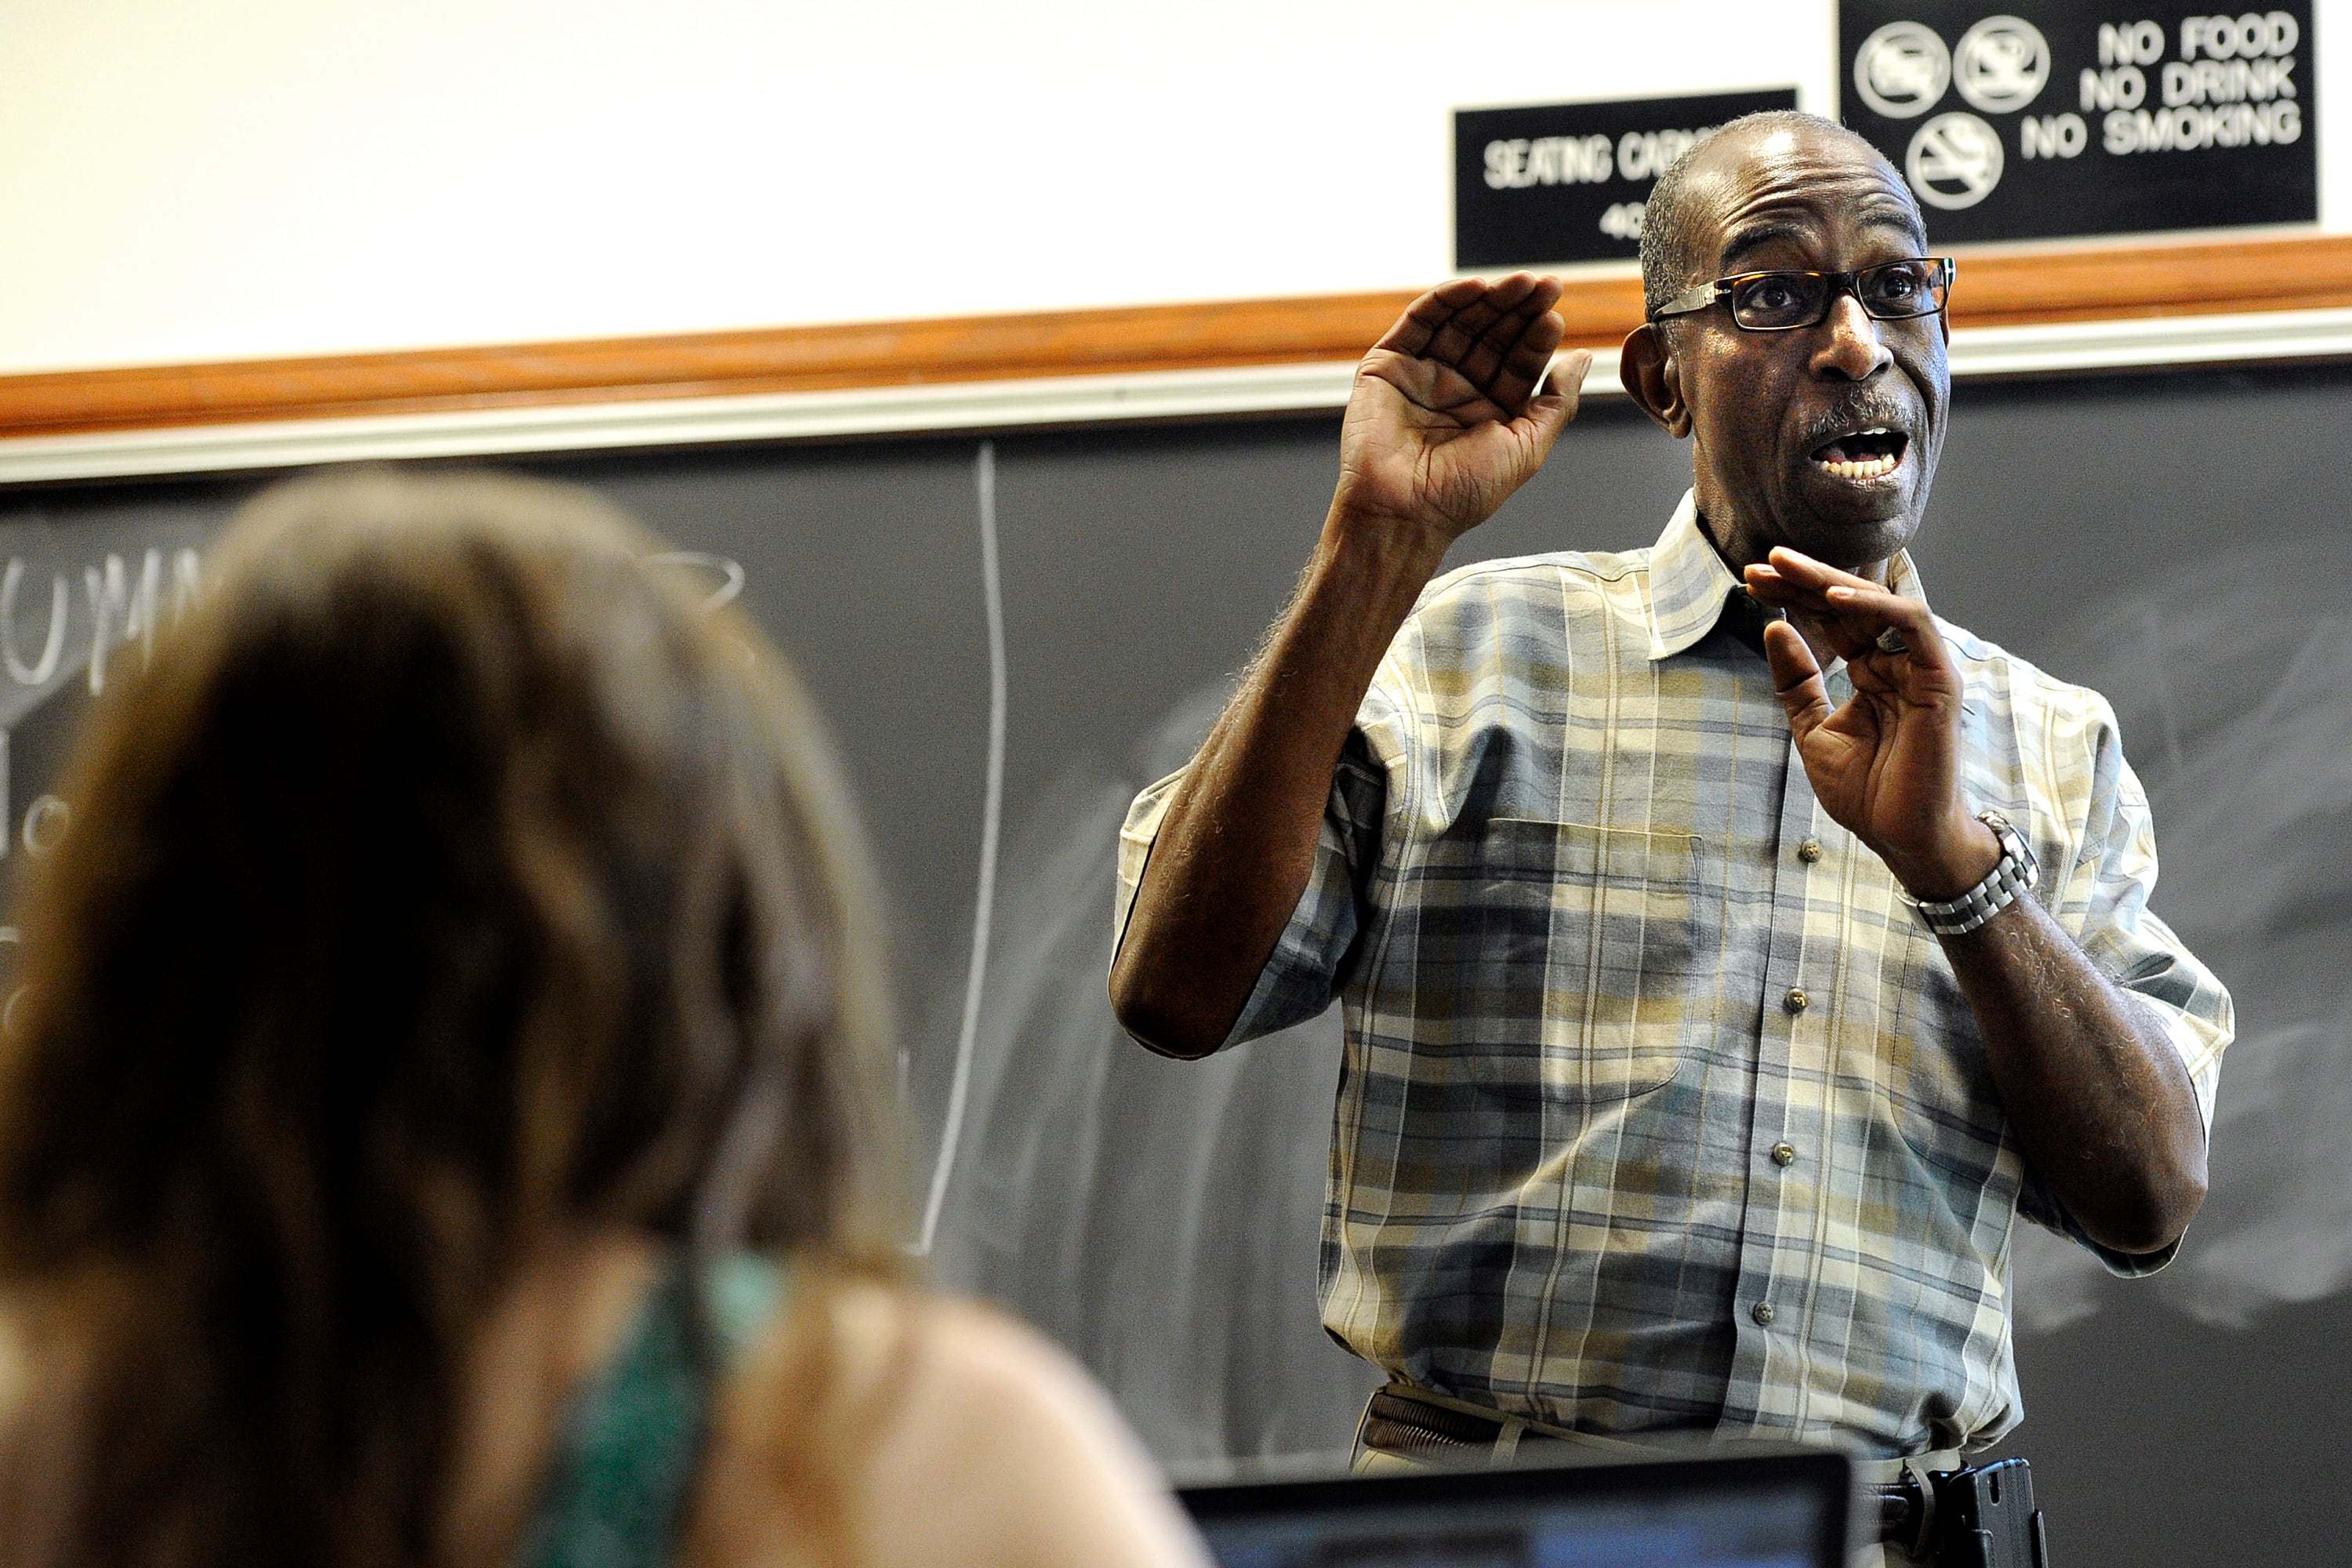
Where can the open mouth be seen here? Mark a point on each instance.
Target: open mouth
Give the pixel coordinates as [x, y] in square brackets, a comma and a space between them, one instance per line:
[1871, 454]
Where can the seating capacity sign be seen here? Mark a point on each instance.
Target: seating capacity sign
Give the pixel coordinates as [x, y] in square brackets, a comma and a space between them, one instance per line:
[2074, 118]
[1568, 182]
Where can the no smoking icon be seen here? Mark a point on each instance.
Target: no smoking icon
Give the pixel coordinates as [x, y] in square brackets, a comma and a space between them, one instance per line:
[1955, 161]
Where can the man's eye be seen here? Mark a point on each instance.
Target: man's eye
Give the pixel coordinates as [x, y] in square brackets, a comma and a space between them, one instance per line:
[1898, 285]
[1772, 294]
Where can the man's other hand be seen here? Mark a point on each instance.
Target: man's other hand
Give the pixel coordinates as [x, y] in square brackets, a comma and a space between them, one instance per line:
[1444, 422]
[1886, 766]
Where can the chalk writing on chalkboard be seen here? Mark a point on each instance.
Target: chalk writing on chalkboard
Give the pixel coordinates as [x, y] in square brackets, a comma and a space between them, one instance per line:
[57, 647]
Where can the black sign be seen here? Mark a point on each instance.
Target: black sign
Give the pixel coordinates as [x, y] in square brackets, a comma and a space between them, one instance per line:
[2084, 118]
[1566, 182]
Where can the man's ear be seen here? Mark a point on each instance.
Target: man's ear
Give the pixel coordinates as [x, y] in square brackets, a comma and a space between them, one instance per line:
[1654, 379]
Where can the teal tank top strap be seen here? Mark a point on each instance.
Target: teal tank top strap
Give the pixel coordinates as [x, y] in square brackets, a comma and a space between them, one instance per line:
[631, 1444]
[742, 1291]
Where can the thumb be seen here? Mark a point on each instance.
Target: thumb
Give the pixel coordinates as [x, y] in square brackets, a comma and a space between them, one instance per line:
[1795, 679]
[1546, 416]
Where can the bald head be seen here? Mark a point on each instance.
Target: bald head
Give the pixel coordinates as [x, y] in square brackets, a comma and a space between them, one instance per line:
[1775, 415]
[1679, 224]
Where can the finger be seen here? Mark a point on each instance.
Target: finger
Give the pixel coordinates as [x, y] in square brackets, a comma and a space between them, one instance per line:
[1516, 312]
[1548, 416]
[1422, 318]
[1797, 572]
[1563, 376]
[1762, 580]
[1852, 612]
[1486, 359]
[1781, 593]
[1836, 627]
[1875, 609]
[1795, 679]
[1799, 567]
[1458, 339]
[1526, 357]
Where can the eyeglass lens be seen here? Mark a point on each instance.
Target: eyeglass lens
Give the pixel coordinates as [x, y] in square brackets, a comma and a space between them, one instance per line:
[1891, 292]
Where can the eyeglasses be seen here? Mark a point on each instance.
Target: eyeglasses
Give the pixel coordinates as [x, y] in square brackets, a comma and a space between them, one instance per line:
[1783, 301]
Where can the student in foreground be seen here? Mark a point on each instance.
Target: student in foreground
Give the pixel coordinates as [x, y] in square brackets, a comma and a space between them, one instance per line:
[439, 1125]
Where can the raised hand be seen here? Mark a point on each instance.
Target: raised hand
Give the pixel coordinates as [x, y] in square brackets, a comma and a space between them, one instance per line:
[1444, 422]
[1886, 765]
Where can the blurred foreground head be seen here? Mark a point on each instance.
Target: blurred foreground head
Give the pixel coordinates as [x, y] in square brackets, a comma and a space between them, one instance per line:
[451, 882]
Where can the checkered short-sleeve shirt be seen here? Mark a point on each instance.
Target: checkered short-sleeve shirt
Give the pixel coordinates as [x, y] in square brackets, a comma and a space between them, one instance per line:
[1658, 1109]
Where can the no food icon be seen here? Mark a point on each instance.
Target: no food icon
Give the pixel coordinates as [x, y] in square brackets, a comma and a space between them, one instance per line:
[1902, 70]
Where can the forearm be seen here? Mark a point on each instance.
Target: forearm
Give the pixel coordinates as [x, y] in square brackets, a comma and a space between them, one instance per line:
[2102, 1107]
[2101, 1103]
[1237, 844]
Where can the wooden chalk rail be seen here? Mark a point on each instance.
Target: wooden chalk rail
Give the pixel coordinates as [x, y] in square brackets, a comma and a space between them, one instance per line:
[2010, 289]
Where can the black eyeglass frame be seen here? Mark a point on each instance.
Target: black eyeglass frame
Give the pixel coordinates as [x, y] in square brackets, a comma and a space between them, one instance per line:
[1699, 296]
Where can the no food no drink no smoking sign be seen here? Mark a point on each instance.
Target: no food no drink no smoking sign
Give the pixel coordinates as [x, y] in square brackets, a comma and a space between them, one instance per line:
[2063, 119]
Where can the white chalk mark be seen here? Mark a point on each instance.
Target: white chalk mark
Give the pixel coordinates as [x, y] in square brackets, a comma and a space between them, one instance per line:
[45, 823]
[38, 672]
[119, 613]
[731, 572]
[187, 583]
[992, 817]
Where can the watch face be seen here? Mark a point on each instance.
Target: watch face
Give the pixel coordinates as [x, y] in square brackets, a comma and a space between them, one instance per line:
[2013, 843]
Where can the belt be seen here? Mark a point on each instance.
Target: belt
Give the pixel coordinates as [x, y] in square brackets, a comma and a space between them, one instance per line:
[1896, 1499]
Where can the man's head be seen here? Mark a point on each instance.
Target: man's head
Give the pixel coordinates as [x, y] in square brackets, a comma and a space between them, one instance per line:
[1791, 427]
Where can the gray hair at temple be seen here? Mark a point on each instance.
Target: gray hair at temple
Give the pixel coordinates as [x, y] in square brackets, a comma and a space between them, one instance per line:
[1673, 222]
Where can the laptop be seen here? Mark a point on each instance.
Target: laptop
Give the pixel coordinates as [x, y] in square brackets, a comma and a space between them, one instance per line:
[1779, 1510]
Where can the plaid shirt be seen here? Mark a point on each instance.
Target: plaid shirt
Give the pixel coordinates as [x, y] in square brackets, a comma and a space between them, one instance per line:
[1659, 1110]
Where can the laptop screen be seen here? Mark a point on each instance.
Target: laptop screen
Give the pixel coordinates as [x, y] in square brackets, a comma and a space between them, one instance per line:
[1776, 1511]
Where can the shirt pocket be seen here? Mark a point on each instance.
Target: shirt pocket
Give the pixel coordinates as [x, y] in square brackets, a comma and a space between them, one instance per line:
[1945, 1106]
[1581, 963]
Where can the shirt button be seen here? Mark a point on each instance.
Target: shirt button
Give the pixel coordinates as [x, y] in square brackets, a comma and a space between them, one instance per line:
[1762, 1313]
[1796, 1001]
[1784, 1153]
[1810, 850]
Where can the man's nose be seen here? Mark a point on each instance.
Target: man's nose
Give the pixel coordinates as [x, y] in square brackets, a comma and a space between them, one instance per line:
[1850, 347]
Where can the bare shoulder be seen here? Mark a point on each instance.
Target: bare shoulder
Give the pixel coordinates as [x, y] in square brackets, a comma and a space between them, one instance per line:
[980, 1361]
[947, 1432]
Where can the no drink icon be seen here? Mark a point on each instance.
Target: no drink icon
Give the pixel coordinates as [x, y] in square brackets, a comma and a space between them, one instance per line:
[2001, 64]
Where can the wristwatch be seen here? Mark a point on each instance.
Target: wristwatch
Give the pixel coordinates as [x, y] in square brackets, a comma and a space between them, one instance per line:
[2016, 871]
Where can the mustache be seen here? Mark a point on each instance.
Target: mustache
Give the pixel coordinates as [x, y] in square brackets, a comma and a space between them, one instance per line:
[1859, 409]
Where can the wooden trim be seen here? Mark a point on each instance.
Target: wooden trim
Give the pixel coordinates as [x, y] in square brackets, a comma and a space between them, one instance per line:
[1996, 288]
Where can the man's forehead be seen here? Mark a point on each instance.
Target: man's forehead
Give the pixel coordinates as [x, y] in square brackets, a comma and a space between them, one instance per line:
[1790, 184]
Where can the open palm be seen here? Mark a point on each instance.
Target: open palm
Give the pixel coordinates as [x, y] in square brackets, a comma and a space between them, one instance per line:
[1444, 422]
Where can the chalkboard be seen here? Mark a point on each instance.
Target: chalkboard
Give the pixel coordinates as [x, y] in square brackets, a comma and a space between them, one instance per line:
[2174, 539]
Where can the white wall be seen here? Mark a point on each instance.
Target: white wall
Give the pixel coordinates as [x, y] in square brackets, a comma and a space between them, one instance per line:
[207, 179]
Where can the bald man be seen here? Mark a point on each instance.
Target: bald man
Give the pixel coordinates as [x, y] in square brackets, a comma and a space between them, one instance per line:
[1730, 949]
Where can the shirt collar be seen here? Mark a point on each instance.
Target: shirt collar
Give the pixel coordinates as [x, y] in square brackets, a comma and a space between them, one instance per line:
[1689, 581]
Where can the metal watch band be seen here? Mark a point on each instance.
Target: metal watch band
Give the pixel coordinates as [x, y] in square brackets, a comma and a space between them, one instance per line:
[2016, 871]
